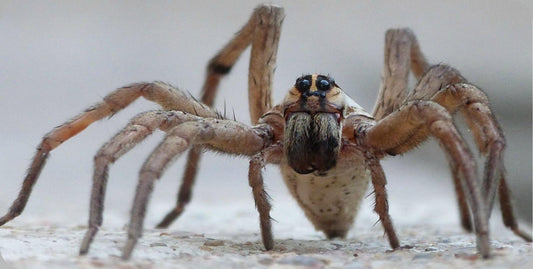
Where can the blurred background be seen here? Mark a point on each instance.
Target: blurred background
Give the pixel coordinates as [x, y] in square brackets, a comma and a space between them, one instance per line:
[59, 57]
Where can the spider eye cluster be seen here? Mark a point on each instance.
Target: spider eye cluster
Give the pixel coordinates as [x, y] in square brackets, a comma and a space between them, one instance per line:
[323, 85]
[303, 84]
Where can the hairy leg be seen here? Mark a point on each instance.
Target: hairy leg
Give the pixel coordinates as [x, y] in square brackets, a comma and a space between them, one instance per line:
[508, 215]
[136, 131]
[447, 87]
[272, 154]
[427, 116]
[261, 199]
[474, 106]
[402, 53]
[221, 135]
[429, 84]
[185, 189]
[381, 206]
[161, 93]
[262, 31]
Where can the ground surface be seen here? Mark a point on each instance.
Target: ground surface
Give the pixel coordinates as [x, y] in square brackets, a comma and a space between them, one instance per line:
[215, 238]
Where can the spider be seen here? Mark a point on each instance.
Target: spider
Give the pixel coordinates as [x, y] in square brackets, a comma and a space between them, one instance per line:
[327, 146]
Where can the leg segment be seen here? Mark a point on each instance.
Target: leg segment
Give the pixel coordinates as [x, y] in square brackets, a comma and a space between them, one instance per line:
[185, 190]
[382, 205]
[163, 94]
[226, 136]
[137, 130]
[474, 106]
[261, 199]
[427, 87]
[272, 154]
[447, 87]
[508, 216]
[462, 203]
[402, 53]
[262, 31]
[263, 59]
[426, 116]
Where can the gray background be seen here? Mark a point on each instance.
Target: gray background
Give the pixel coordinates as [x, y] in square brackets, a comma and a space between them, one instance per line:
[59, 57]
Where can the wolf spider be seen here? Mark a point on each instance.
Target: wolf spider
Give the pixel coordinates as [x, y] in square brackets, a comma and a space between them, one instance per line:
[327, 146]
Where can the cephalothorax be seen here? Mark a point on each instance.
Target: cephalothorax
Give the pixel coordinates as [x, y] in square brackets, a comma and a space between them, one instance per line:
[328, 148]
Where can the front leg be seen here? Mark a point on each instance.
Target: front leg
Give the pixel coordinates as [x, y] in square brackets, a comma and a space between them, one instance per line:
[262, 32]
[426, 116]
[220, 135]
[381, 205]
[271, 154]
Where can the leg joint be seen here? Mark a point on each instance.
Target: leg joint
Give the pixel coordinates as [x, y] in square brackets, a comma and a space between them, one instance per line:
[428, 112]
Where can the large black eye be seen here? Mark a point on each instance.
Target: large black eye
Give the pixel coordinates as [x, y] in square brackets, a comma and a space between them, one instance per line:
[323, 85]
[303, 85]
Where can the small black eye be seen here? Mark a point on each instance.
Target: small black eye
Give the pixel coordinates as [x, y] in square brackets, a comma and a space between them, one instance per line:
[323, 85]
[303, 85]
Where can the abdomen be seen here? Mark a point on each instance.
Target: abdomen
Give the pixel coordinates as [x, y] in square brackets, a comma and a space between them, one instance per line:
[331, 201]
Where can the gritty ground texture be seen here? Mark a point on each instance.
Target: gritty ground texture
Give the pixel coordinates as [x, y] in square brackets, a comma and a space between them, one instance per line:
[230, 239]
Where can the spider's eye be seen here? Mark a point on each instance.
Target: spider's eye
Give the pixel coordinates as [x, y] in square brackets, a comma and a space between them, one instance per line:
[323, 85]
[303, 85]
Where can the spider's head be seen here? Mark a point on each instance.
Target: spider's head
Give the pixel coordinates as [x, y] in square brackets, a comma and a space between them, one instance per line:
[313, 111]
[314, 94]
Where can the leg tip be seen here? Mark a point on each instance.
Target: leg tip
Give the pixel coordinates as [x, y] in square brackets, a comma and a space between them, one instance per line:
[5, 219]
[125, 256]
[523, 235]
[483, 246]
[268, 245]
[128, 249]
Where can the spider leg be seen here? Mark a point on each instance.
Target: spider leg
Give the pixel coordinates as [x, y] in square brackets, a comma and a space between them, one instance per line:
[221, 135]
[271, 154]
[445, 86]
[354, 129]
[402, 53]
[382, 205]
[161, 93]
[185, 190]
[427, 116]
[262, 31]
[508, 215]
[474, 106]
[137, 130]
[261, 198]
[434, 78]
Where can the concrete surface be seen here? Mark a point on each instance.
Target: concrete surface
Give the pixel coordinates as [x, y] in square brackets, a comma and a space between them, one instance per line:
[226, 236]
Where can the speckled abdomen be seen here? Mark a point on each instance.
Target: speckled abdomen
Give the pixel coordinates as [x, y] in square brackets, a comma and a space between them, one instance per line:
[330, 201]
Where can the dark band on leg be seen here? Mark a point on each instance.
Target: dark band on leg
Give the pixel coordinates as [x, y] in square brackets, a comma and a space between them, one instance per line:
[219, 68]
